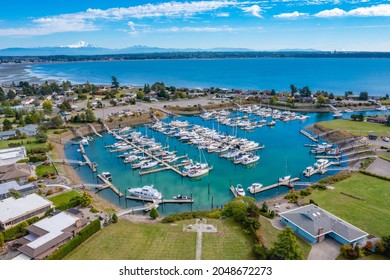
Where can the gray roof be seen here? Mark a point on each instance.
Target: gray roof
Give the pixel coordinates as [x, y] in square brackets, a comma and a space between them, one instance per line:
[311, 219]
[5, 187]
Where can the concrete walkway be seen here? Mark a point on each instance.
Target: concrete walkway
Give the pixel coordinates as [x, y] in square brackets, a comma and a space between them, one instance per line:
[329, 249]
[380, 167]
[199, 227]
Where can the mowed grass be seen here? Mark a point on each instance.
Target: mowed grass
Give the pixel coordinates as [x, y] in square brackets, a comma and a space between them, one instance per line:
[358, 128]
[137, 241]
[44, 169]
[269, 236]
[229, 243]
[385, 156]
[64, 198]
[371, 214]
[34, 143]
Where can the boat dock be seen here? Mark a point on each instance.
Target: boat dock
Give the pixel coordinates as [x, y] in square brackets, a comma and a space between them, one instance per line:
[159, 201]
[132, 210]
[94, 130]
[233, 190]
[108, 184]
[308, 135]
[86, 159]
[285, 183]
[150, 171]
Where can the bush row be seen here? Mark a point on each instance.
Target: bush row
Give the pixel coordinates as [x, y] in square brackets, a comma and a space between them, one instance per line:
[374, 175]
[335, 178]
[213, 214]
[19, 230]
[84, 234]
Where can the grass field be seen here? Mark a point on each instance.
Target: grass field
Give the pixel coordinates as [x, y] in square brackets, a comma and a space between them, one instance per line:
[34, 143]
[64, 198]
[137, 241]
[358, 128]
[370, 214]
[44, 169]
[385, 156]
[269, 236]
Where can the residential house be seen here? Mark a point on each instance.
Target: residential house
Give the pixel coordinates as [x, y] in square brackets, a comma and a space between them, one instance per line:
[24, 189]
[14, 211]
[29, 130]
[15, 171]
[5, 135]
[12, 155]
[315, 224]
[49, 234]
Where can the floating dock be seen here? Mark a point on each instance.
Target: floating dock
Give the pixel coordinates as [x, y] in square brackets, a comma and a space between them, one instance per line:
[86, 159]
[108, 184]
[159, 201]
[284, 183]
[94, 130]
[308, 135]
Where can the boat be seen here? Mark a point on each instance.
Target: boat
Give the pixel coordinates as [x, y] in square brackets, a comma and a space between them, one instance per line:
[255, 187]
[249, 160]
[106, 175]
[338, 115]
[149, 164]
[147, 191]
[285, 178]
[180, 196]
[84, 142]
[240, 190]
[320, 163]
[198, 172]
[308, 171]
[95, 164]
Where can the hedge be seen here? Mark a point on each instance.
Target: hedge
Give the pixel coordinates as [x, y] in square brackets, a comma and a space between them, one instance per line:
[83, 235]
[189, 215]
[374, 175]
[18, 230]
[70, 204]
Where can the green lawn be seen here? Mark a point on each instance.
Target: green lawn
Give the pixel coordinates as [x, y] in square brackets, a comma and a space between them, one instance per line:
[64, 198]
[34, 143]
[137, 241]
[385, 102]
[358, 128]
[44, 169]
[370, 214]
[385, 156]
[269, 236]
[230, 243]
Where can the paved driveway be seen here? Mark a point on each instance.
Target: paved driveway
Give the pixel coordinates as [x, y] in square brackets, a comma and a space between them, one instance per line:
[328, 249]
[380, 167]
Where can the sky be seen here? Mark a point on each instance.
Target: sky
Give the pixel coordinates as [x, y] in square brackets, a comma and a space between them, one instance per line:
[258, 25]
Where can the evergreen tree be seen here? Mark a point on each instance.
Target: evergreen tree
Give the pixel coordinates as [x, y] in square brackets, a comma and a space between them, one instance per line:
[7, 125]
[114, 82]
[286, 246]
[154, 213]
[114, 218]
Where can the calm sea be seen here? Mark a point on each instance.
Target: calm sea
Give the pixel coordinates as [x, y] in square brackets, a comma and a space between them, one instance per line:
[284, 154]
[335, 75]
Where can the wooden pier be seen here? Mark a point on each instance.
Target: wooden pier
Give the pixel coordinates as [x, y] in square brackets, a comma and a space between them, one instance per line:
[86, 159]
[308, 135]
[94, 130]
[233, 190]
[284, 183]
[108, 184]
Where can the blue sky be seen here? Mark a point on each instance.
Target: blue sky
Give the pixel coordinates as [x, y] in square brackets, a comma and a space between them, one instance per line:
[260, 25]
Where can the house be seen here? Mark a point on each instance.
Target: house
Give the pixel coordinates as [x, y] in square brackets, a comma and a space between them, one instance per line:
[13, 185]
[49, 234]
[5, 135]
[315, 224]
[29, 130]
[14, 211]
[15, 171]
[12, 155]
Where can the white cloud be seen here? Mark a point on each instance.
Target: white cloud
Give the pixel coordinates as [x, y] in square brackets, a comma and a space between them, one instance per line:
[206, 29]
[223, 14]
[254, 10]
[382, 10]
[292, 15]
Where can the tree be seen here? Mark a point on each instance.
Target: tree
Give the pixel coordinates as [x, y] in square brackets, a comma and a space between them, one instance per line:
[57, 121]
[386, 245]
[1, 239]
[240, 208]
[2, 95]
[261, 252]
[265, 207]
[331, 96]
[47, 106]
[15, 193]
[154, 213]
[85, 199]
[347, 93]
[114, 218]
[140, 95]
[321, 100]
[146, 89]
[11, 94]
[294, 89]
[363, 95]
[65, 106]
[114, 82]
[286, 246]
[7, 125]
[388, 120]
[41, 135]
[305, 91]
[90, 116]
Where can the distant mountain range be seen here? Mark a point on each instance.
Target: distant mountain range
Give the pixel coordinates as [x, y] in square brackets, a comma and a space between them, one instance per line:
[84, 48]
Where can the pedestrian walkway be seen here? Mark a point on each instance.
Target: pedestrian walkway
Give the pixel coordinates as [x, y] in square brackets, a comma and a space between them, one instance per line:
[199, 227]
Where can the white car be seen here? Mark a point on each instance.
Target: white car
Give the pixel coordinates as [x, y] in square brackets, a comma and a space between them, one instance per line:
[386, 139]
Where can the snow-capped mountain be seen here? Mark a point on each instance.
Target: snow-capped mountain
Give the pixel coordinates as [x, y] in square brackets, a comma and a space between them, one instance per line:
[80, 44]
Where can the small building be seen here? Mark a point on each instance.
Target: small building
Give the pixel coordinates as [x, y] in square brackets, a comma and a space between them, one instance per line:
[380, 119]
[12, 155]
[15, 171]
[5, 135]
[49, 234]
[25, 189]
[315, 224]
[14, 211]
[29, 130]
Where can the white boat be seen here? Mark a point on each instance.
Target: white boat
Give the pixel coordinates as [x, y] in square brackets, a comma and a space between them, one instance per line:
[240, 190]
[180, 196]
[255, 187]
[84, 142]
[198, 172]
[130, 159]
[107, 175]
[149, 164]
[231, 154]
[308, 171]
[250, 160]
[285, 178]
[320, 163]
[337, 115]
[145, 192]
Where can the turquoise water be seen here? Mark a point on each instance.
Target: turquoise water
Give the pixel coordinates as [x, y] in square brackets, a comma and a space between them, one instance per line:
[283, 143]
[335, 75]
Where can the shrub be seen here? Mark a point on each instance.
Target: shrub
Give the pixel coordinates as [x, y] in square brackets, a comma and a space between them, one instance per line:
[1, 239]
[348, 252]
[305, 192]
[319, 186]
[94, 210]
[260, 252]
[335, 178]
[292, 196]
[114, 218]
[313, 202]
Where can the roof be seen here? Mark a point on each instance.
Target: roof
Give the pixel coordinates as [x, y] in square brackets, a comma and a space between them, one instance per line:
[312, 219]
[14, 171]
[12, 155]
[28, 128]
[5, 187]
[11, 208]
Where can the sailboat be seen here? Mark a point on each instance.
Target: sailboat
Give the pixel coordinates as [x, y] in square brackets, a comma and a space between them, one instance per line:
[285, 178]
[197, 169]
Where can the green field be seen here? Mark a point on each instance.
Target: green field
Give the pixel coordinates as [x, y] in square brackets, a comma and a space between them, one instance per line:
[385, 156]
[33, 144]
[269, 235]
[44, 169]
[370, 213]
[130, 241]
[230, 243]
[64, 198]
[358, 128]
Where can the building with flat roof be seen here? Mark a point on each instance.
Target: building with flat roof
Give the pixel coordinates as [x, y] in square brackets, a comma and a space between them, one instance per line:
[12, 155]
[13, 185]
[315, 224]
[49, 234]
[14, 211]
